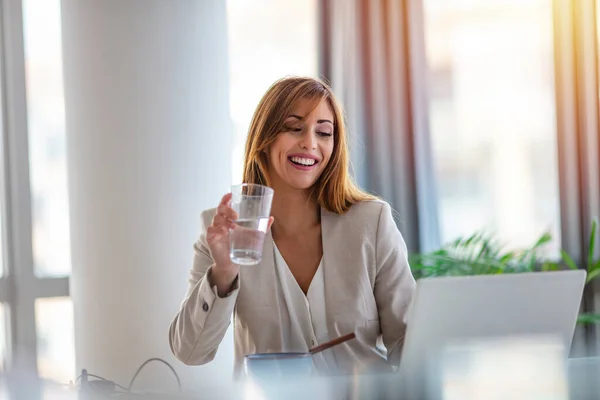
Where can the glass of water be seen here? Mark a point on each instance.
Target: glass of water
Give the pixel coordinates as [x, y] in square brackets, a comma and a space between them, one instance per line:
[252, 203]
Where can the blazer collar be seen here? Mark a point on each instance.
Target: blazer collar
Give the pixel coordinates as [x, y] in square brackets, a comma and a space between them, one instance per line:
[326, 220]
[267, 265]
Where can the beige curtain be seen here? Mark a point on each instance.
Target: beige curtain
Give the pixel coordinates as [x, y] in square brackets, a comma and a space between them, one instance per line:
[375, 64]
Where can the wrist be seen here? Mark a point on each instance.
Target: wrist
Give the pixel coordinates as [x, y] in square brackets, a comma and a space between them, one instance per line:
[223, 278]
[226, 269]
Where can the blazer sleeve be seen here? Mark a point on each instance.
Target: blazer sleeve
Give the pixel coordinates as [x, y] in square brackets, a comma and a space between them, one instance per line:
[203, 318]
[394, 284]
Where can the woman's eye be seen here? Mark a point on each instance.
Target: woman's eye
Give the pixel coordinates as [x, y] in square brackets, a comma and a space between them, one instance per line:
[325, 134]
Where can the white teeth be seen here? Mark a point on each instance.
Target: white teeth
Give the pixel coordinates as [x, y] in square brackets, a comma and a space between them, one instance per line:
[303, 161]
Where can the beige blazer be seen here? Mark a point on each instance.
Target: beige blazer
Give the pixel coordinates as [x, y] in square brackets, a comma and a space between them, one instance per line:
[368, 289]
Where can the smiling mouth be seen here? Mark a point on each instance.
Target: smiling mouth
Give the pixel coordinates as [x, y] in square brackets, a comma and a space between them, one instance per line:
[302, 161]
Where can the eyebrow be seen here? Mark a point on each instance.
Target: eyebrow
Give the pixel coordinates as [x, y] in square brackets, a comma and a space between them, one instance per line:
[321, 121]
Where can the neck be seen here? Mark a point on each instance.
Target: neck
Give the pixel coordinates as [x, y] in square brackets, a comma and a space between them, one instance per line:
[294, 211]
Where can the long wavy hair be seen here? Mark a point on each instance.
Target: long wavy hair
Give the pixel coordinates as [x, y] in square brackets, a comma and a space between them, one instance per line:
[335, 189]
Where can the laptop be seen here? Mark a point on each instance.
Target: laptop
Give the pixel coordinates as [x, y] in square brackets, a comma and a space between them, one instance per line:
[450, 312]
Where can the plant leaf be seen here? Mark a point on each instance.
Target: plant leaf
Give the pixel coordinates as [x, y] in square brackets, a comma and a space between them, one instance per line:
[591, 245]
[550, 266]
[546, 267]
[591, 275]
[472, 238]
[568, 260]
[588, 318]
[544, 239]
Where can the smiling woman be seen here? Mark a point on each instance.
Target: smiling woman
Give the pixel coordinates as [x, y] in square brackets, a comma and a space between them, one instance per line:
[304, 145]
[301, 117]
[333, 263]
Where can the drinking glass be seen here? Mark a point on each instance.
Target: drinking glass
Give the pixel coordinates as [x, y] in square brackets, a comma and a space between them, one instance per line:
[252, 203]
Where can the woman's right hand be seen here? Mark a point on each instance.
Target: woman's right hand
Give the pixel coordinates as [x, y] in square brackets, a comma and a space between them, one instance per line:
[224, 271]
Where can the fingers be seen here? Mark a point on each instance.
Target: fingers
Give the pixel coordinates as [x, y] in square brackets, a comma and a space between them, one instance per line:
[214, 233]
[227, 213]
[225, 210]
[220, 220]
[271, 220]
[226, 199]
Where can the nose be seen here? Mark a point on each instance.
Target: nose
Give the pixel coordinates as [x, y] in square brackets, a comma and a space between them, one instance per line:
[308, 141]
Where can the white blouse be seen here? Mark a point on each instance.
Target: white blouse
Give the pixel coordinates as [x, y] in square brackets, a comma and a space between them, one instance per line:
[306, 312]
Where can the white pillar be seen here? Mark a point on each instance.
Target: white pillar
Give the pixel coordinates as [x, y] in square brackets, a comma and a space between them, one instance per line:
[149, 147]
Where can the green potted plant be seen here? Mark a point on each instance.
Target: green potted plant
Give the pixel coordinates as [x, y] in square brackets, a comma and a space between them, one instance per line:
[482, 254]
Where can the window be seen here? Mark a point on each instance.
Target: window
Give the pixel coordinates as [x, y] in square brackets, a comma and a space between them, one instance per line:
[46, 125]
[262, 49]
[3, 338]
[48, 181]
[1, 250]
[492, 118]
[56, 350]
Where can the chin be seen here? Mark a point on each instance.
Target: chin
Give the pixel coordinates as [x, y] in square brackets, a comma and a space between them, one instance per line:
[301, 185]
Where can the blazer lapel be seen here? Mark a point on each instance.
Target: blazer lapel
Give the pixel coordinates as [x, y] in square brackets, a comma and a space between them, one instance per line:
[336, 257]
[260, 279]
[266, 280]
[266, 273]
[267, 263]
[330, 271]
[325, 235]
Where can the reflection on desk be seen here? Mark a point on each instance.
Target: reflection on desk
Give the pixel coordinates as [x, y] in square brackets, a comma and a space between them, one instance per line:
[583, 384]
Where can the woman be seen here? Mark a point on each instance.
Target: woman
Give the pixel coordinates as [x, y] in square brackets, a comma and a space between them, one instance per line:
[333, 263]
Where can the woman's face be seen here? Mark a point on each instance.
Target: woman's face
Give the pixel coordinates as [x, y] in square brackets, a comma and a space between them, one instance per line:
[303, 148]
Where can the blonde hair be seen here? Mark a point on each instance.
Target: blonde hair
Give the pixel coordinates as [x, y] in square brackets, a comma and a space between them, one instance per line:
[334, 190]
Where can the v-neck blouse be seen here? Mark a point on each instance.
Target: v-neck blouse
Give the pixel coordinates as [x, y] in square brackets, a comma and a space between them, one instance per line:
[306, 313]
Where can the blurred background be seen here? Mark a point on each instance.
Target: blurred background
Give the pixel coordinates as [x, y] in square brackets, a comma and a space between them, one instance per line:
[466, 115]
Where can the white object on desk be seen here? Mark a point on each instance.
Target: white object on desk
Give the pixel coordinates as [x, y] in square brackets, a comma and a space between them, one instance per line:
[448, 309]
